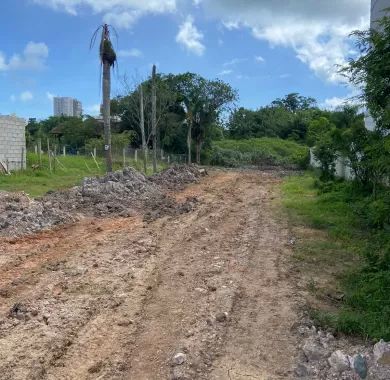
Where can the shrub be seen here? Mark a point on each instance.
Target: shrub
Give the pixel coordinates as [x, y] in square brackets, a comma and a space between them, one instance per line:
[259, 151]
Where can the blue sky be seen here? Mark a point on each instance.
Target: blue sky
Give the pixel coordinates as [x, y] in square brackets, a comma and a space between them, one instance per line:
[265, 49]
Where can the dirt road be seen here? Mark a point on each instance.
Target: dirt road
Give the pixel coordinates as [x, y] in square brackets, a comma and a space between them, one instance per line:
[125, 299]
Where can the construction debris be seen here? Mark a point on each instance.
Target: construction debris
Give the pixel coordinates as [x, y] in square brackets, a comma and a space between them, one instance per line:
[124, 193]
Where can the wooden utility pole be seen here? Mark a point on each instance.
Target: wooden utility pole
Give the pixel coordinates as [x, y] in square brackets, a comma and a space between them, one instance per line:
[142, 125]
[154, 119]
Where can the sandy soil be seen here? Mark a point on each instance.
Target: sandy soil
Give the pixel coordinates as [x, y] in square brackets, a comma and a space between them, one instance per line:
[119, 298]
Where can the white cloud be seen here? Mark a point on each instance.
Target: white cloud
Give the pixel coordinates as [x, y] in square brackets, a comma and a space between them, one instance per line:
[190, 37]
[235, 61]
[316, 30]
[120, 13]
[122, 19]
[225, 72]
[136, 53]
[33, 58]
[284, 76]
[50, 96]
[26, 96]
[93, 110]
[335, 101]
[259, 59]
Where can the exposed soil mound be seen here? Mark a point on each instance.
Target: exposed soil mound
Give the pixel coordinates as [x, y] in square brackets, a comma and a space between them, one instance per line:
[176, 177]
[121, 193]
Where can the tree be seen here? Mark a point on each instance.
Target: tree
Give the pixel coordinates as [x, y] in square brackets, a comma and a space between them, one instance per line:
[218, 97]
[108, 60]
[294, 102]
[203, 102]
[154, 118]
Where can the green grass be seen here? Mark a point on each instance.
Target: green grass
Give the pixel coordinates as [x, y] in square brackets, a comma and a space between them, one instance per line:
[264, 150]
[68, 172]
[344, 256]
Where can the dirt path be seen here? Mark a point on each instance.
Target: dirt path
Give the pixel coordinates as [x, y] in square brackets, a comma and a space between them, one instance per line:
[118, 298]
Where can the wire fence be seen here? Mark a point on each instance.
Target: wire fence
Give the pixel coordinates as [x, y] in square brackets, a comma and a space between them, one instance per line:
[39, 156]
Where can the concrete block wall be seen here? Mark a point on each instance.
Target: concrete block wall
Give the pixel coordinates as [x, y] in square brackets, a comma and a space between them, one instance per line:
[343, 169]
[13, 142]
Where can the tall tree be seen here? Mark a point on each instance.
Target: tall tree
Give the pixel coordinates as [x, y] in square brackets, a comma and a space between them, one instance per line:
[154, 118]
[107, 60]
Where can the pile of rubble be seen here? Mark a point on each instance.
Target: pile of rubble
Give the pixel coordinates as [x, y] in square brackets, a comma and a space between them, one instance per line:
[325, 357]
[177, 176]
[122, 193]
[21, 215]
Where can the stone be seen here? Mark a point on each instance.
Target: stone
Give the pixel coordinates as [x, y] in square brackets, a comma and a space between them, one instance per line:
[313, 350]
[221, 317]
[360, 366]
[301, 370]
[338, 361]
[179, 358]
[382, 353]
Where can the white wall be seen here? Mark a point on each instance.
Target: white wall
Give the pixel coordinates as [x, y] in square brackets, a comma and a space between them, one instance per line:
[12, 142]
[343, 169]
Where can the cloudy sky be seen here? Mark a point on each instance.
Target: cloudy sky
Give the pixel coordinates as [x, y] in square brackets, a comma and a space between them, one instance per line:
[263, 48]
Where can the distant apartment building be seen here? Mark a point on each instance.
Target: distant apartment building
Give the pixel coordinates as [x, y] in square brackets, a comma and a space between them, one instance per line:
[64, 106]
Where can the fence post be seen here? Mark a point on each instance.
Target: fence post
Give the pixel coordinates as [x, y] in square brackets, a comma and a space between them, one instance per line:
[55, 158]
[22, 161]
[94, 151]
[136, 155]
[162, 154]
[35, 149]
[48, 153]
[7, 163]
[64, 151]
[40, 152]
[124, 157]
[169, 159]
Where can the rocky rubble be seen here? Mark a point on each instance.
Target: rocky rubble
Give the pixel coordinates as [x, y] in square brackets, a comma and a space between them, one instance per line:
[122, 193]
[176, 177]
[325, 357]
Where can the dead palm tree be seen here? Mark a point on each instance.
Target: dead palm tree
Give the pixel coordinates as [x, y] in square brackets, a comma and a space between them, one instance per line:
[107, 60]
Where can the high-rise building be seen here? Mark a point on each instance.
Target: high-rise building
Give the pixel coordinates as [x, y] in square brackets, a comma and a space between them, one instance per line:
[64, 106]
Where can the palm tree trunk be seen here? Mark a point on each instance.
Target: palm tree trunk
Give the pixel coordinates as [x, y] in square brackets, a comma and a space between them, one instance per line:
[142, 126]
[106, 114]
[154, 119]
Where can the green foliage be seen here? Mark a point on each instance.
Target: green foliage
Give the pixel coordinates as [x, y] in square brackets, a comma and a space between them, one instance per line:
[371, 72]
[37, 182]
[318, 128]
[118, 141]
[262, 151]
[357, 230]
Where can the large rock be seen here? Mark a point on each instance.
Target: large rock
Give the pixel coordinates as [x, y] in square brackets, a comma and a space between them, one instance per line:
[314, 350]
[359, 364]
[382, 353]
[338, 361]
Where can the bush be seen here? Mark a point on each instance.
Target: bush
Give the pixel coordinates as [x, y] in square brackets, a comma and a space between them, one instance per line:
[259, 151]
[226, 157]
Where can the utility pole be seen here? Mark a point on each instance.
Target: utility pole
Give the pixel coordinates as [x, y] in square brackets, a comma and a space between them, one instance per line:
[142, 125]
[154, 119]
